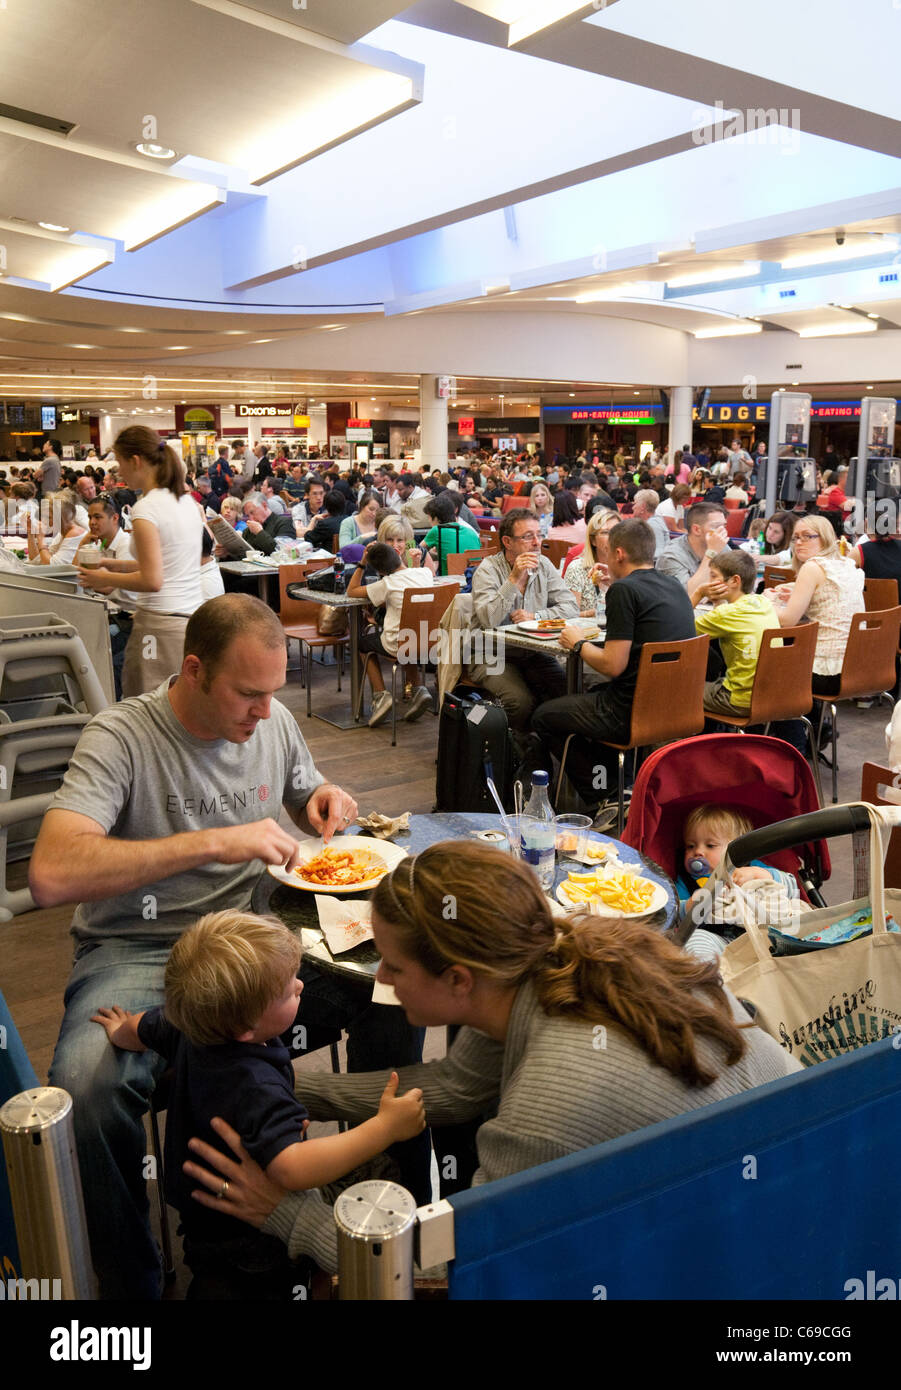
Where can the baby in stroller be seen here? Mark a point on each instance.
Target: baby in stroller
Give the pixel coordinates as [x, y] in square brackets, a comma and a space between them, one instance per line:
[707, 832]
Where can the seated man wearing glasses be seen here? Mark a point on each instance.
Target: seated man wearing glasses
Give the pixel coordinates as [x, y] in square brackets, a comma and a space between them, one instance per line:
[517, 584]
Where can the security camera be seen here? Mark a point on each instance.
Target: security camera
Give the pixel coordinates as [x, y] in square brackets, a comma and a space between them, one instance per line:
[839, 238]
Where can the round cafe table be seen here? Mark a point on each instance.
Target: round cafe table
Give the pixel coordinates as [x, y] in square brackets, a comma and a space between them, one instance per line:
[297, 907]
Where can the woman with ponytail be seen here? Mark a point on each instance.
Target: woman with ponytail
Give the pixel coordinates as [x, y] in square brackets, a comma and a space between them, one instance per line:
[164, 576]
[572, 1031]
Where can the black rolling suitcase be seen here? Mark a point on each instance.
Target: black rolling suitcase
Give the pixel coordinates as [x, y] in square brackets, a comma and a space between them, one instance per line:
[474, 744]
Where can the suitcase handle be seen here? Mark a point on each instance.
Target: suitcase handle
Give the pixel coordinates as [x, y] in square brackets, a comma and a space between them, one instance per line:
[818, 825]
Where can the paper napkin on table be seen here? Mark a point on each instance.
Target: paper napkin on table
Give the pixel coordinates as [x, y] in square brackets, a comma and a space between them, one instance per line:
[383, 827]
[344, 925]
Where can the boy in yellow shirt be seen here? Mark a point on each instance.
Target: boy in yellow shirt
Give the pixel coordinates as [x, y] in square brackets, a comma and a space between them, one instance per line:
[739, 623]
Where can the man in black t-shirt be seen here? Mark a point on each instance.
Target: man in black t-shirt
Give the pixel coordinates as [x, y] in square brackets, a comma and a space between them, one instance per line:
[642, 606]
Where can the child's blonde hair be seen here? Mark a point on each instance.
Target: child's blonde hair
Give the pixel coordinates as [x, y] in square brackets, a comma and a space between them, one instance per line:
[722, 820]
[225, 971]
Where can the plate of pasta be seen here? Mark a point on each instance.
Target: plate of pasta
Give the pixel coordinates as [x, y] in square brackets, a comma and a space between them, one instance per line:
[350, 864]
[622, 894]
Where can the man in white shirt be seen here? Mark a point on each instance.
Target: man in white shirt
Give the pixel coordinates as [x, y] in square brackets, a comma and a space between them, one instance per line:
[412, 501]
[104, 528]
[394, 579]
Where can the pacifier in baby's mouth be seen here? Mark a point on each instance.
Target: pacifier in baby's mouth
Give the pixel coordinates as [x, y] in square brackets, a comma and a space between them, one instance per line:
[699, 869]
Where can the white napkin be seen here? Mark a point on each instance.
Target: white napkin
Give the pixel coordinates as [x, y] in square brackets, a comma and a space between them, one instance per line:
[344, 925]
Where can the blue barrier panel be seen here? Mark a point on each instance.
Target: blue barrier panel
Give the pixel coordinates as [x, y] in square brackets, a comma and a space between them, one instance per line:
[16, 1074]
[675, 1211]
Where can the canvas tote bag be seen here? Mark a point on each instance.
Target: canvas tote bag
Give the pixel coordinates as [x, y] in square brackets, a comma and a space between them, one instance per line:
[826, 1000]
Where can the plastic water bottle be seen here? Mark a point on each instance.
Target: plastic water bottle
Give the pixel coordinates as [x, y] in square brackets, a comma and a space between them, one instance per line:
[537, 841]
[339, 574]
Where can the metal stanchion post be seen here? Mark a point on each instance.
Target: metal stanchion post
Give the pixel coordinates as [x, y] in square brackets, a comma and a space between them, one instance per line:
[45, 1189]
[375, 1223]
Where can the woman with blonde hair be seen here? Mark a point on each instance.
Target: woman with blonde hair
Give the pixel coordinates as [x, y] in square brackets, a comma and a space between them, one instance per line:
[587, 575]
[61, 550]
[828, 590]
[542, 504]
[532, 995]
[167, 527]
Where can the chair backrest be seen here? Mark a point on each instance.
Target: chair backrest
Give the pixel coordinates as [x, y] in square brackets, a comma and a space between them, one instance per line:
[490, 542]
[336, 543]
[872, 777]
[773, 575]
[556, 551]
[879, 594]
[735, 520]
[783, 676]
[730, 503]
[508, 503]
[297, 610]
[420, 615]
[571, 554]
[456, 564]
[669, 693]
[869, 664]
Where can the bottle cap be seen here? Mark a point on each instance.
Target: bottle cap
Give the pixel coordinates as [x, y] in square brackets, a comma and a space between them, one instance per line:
[540, 779]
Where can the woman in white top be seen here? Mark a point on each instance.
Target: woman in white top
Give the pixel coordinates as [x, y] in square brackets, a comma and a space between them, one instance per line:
[828, 591]
[672, 508]
[165, 575]
[61, 550]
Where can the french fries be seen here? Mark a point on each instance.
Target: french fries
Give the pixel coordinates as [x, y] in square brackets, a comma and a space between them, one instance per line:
[623, 892]
[335, 868]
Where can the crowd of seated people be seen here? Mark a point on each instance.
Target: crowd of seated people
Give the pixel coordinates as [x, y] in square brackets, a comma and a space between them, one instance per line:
[651, 555]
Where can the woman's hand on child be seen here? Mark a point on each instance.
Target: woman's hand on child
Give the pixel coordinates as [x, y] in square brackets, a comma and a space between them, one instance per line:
[404, 1115]
[121, 1027]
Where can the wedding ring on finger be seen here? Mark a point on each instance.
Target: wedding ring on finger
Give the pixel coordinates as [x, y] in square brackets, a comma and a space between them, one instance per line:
[223, 1190]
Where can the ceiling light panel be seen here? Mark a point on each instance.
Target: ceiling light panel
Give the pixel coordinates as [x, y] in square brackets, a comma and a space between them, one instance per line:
[43, 182]
[303, 91]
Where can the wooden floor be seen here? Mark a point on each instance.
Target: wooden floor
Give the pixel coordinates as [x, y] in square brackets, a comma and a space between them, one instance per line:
[36, 948]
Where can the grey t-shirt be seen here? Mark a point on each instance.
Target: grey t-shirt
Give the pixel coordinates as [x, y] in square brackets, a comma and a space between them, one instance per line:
[50, 470]
[139, 774]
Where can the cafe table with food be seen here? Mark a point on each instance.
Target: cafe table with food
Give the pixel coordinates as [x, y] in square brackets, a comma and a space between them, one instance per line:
[543, 634]
[325, 897]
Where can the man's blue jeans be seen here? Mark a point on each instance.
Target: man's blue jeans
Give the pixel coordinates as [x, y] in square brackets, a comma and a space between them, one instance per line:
[111, 1092]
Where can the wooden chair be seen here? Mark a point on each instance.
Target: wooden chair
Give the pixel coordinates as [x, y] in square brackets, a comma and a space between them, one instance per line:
[556, 551]
[298, 618]
[668, 704]
[490, 542]
[880, 594]
[868, 669]
[781, 687]
[457, 564]
[773, 576]
[872, 777]
[420, 616]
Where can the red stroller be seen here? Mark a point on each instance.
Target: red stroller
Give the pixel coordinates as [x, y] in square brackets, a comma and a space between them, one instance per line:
[767, 779]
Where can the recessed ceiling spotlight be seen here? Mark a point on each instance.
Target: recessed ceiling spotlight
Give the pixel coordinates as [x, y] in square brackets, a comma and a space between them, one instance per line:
[872, 316]
[796, 383]
[132, 330]
[869, 388]
[636, 393]
[81, 345]
[178, 348]
[572, 393]
[263, 340]
[154, 151]
[53, 227]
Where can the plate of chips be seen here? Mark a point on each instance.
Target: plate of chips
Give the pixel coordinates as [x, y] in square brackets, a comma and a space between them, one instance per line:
[350, 864]
[623, 894]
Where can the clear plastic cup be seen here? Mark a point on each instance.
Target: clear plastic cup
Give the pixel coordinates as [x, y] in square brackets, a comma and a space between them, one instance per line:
[572, 835]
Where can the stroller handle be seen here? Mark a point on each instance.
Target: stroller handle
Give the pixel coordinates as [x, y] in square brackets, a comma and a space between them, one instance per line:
[818, 825]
